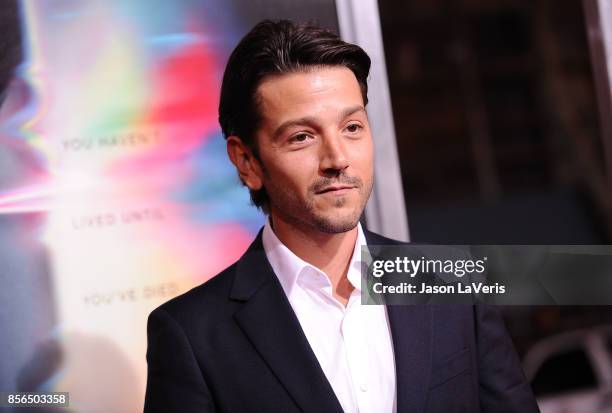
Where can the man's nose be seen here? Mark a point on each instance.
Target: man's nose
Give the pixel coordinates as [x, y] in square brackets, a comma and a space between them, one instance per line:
[333, 154]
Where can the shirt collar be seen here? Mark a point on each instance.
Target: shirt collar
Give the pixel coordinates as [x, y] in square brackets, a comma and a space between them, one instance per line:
[288, 267]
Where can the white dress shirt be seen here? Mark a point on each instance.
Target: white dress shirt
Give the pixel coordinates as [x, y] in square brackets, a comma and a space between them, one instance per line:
[353, 344]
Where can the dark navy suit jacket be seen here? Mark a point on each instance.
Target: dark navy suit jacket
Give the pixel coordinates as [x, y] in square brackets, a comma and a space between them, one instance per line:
[234, 344]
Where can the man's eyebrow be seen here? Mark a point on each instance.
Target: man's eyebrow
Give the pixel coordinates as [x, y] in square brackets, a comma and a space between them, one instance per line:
[306, 120]
[350, 111]
[311, 121]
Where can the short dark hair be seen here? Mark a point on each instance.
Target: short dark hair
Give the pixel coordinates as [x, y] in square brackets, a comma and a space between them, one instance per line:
[276, 48]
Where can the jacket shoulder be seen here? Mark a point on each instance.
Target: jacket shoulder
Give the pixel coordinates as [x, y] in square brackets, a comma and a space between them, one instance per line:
[376, 239]
[211, 295]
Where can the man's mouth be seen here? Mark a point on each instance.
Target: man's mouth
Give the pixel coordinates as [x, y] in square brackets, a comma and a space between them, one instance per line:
[335, 189]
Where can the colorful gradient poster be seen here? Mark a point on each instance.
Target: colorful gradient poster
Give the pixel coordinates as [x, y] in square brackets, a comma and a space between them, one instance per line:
[119, 195]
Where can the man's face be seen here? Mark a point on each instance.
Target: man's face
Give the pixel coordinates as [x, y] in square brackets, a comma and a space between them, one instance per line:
[315, 148]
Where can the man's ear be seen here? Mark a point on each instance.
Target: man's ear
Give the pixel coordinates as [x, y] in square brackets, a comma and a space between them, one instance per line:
[248, 166]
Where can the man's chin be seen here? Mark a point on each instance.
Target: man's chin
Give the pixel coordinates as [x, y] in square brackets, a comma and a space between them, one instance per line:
[335, 225]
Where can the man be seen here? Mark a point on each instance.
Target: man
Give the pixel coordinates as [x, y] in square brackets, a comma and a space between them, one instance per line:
[283, 329]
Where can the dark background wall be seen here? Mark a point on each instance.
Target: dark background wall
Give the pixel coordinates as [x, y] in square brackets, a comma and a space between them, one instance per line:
[10, 42]
[498, 132]
[499, 136]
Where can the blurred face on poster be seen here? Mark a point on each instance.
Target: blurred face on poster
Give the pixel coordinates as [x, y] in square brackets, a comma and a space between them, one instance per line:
[314, 149]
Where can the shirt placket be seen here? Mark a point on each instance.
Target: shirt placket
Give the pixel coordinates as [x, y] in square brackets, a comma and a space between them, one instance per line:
[356, 350]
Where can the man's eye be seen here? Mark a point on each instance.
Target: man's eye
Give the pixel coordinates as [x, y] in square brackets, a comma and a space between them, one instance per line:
[302, 137]
[353, 127]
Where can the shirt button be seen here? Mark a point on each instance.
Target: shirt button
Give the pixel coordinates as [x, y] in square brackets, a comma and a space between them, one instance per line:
[363, 387]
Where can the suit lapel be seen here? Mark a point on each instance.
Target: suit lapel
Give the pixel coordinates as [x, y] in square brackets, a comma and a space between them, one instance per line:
[411, 334]
[411, 329]
[269, 322]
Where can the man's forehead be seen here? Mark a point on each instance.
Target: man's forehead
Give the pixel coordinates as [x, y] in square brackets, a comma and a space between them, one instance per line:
[307, 93]
[314, 79]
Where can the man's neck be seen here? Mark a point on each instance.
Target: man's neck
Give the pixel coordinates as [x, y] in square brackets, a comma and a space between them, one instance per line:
[331, 253]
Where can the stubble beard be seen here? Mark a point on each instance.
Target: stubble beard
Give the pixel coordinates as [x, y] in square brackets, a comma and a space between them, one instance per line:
[305, 215]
